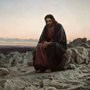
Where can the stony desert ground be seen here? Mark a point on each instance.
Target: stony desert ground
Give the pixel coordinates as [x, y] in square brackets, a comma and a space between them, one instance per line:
[17, 72]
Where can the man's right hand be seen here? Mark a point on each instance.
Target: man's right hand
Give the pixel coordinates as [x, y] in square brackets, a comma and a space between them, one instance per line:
[45, 44]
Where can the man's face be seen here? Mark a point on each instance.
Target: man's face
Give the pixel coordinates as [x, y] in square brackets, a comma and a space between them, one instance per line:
[49, 21]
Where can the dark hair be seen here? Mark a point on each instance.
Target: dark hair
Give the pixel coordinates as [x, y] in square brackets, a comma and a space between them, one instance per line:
[51, 17]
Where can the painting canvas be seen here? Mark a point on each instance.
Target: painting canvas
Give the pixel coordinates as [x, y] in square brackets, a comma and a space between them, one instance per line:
[21, 25]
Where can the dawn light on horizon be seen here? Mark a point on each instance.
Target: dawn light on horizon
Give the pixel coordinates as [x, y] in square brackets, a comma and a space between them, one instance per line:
[25, 18]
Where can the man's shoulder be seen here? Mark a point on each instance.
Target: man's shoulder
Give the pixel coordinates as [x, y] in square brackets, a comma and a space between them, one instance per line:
[59, 25]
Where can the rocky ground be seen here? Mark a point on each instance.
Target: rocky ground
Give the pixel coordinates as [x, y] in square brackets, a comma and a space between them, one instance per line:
[17, 72]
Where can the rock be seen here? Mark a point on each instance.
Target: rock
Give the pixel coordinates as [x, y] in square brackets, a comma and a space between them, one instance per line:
[16, 84]
[2, 84]
[15, 58]
[41, 89]
[77, 55]
[2, 60]
[67, 57]
[50, 88]
[55, 84]
[30, 63]
[73, 56]
[78, 42]
[58, 85]
[85, 45]
[85, 71]
[30, 88]
[89, 54]
[27, 59]
[79, 88]
[4, 71]
[1, 88]
[89, 42]
[82, 55]
[70, 66]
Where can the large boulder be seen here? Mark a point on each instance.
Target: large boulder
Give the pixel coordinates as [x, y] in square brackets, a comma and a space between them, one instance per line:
[78, 42]
[76, 55]
[80, 55]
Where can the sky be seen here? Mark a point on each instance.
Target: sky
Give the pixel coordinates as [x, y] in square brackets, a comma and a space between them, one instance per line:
[25, 18]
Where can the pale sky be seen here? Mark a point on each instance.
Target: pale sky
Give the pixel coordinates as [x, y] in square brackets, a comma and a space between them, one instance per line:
[25, 18]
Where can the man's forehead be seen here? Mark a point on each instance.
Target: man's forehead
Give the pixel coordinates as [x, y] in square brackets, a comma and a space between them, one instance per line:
[48, 19]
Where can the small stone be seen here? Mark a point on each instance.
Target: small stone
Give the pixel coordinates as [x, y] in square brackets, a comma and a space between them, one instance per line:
[30, 88]
[4, 71]
[50, 88]
[72, 66]
[85, 71]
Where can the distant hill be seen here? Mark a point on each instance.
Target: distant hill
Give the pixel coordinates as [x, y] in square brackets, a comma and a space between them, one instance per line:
[17, 40]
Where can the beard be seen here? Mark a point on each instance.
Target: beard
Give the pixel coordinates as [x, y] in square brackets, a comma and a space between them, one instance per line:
[50, 25]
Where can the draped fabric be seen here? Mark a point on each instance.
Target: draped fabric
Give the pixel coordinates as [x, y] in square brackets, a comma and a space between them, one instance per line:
[52, 56]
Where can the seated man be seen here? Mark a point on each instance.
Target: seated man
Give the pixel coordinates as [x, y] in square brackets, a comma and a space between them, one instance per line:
[51, 46]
